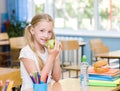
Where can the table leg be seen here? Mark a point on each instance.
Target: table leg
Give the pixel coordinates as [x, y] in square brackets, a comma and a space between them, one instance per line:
[108, 61]
[82, 51]
[119, 63]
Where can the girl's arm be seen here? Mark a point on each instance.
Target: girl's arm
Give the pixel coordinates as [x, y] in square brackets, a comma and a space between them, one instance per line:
[56, 73]
[29, 65]
[47, 68]
[53, 62]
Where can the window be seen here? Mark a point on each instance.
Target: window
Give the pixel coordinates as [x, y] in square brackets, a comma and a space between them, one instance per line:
[83, 14]
[109, 14]
[39, 6]
[74, 14]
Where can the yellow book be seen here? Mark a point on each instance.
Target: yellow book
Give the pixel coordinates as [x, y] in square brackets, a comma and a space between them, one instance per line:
[117, 81]
[104, 83]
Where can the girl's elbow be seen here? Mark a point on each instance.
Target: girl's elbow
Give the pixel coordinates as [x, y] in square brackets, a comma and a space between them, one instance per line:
[57, 78]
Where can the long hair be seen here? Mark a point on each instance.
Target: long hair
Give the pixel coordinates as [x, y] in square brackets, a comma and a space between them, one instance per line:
[29, 38]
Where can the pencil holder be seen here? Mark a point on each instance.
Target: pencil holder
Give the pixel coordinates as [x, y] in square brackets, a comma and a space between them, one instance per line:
[40, 87]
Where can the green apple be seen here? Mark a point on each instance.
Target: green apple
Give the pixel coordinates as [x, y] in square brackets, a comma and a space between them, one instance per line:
[50, 42]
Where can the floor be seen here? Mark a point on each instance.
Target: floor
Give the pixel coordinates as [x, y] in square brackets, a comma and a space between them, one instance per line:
[72, 74]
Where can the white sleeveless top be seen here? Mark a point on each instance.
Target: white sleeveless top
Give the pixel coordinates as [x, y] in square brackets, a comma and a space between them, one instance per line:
[26, 52]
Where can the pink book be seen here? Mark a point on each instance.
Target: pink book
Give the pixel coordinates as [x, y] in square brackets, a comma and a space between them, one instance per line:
[111, 72]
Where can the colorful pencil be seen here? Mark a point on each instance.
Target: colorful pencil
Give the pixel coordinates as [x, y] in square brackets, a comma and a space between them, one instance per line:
[39, 77]
[46, 78]
[33, 78]
[9, 88]
[6, 85]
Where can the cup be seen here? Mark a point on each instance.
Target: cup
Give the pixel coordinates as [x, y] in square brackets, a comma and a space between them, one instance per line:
[40, 87]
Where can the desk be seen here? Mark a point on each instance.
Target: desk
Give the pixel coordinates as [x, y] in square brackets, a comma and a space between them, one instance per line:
[6, 42]
[11, 74]
[4, 39]
[110, 55]
[4, 52]
[71, 84]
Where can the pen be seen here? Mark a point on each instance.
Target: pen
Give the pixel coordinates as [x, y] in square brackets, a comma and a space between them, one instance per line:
[35, 76]
[46, 78]
[6, 85]
[39, 77]
[33, 79]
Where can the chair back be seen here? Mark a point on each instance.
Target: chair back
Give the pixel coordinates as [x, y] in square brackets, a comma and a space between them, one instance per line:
[69, 44]
[4, 39]
[70, 51]
[97, 46]
[102, 49]
[95, 43]
[4, 49]
[16, 44]
[4, 36]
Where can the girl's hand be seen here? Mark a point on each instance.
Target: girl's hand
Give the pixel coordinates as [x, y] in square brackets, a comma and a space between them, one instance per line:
[60, 49]
[55, 52]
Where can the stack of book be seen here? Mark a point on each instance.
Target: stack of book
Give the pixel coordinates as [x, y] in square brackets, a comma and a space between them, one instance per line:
[110, 78]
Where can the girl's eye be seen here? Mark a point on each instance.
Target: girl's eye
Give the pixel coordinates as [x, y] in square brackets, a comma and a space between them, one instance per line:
[50, 32]
[42, 30]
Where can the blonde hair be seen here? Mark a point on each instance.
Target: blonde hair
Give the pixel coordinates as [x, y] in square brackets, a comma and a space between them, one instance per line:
[29, 37]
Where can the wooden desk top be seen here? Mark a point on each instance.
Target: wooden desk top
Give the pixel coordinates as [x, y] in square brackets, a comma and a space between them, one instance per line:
[6, 42]
[113, 54]
[71, 84]
[72, 67]
[11, 74]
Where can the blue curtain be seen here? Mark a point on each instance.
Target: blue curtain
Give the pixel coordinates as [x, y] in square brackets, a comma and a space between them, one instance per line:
[22, 13]
[18, 9]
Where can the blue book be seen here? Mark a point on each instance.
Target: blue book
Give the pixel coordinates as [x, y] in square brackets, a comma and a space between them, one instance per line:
[103, 77]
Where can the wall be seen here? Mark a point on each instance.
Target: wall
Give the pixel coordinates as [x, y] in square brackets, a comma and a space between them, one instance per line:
[2, 7]
[3, 10]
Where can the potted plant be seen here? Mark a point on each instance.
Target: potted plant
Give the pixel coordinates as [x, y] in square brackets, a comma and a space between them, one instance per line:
[16, 28]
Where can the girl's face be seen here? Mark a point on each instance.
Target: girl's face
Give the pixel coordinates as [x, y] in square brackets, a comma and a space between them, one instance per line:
[42, 32]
